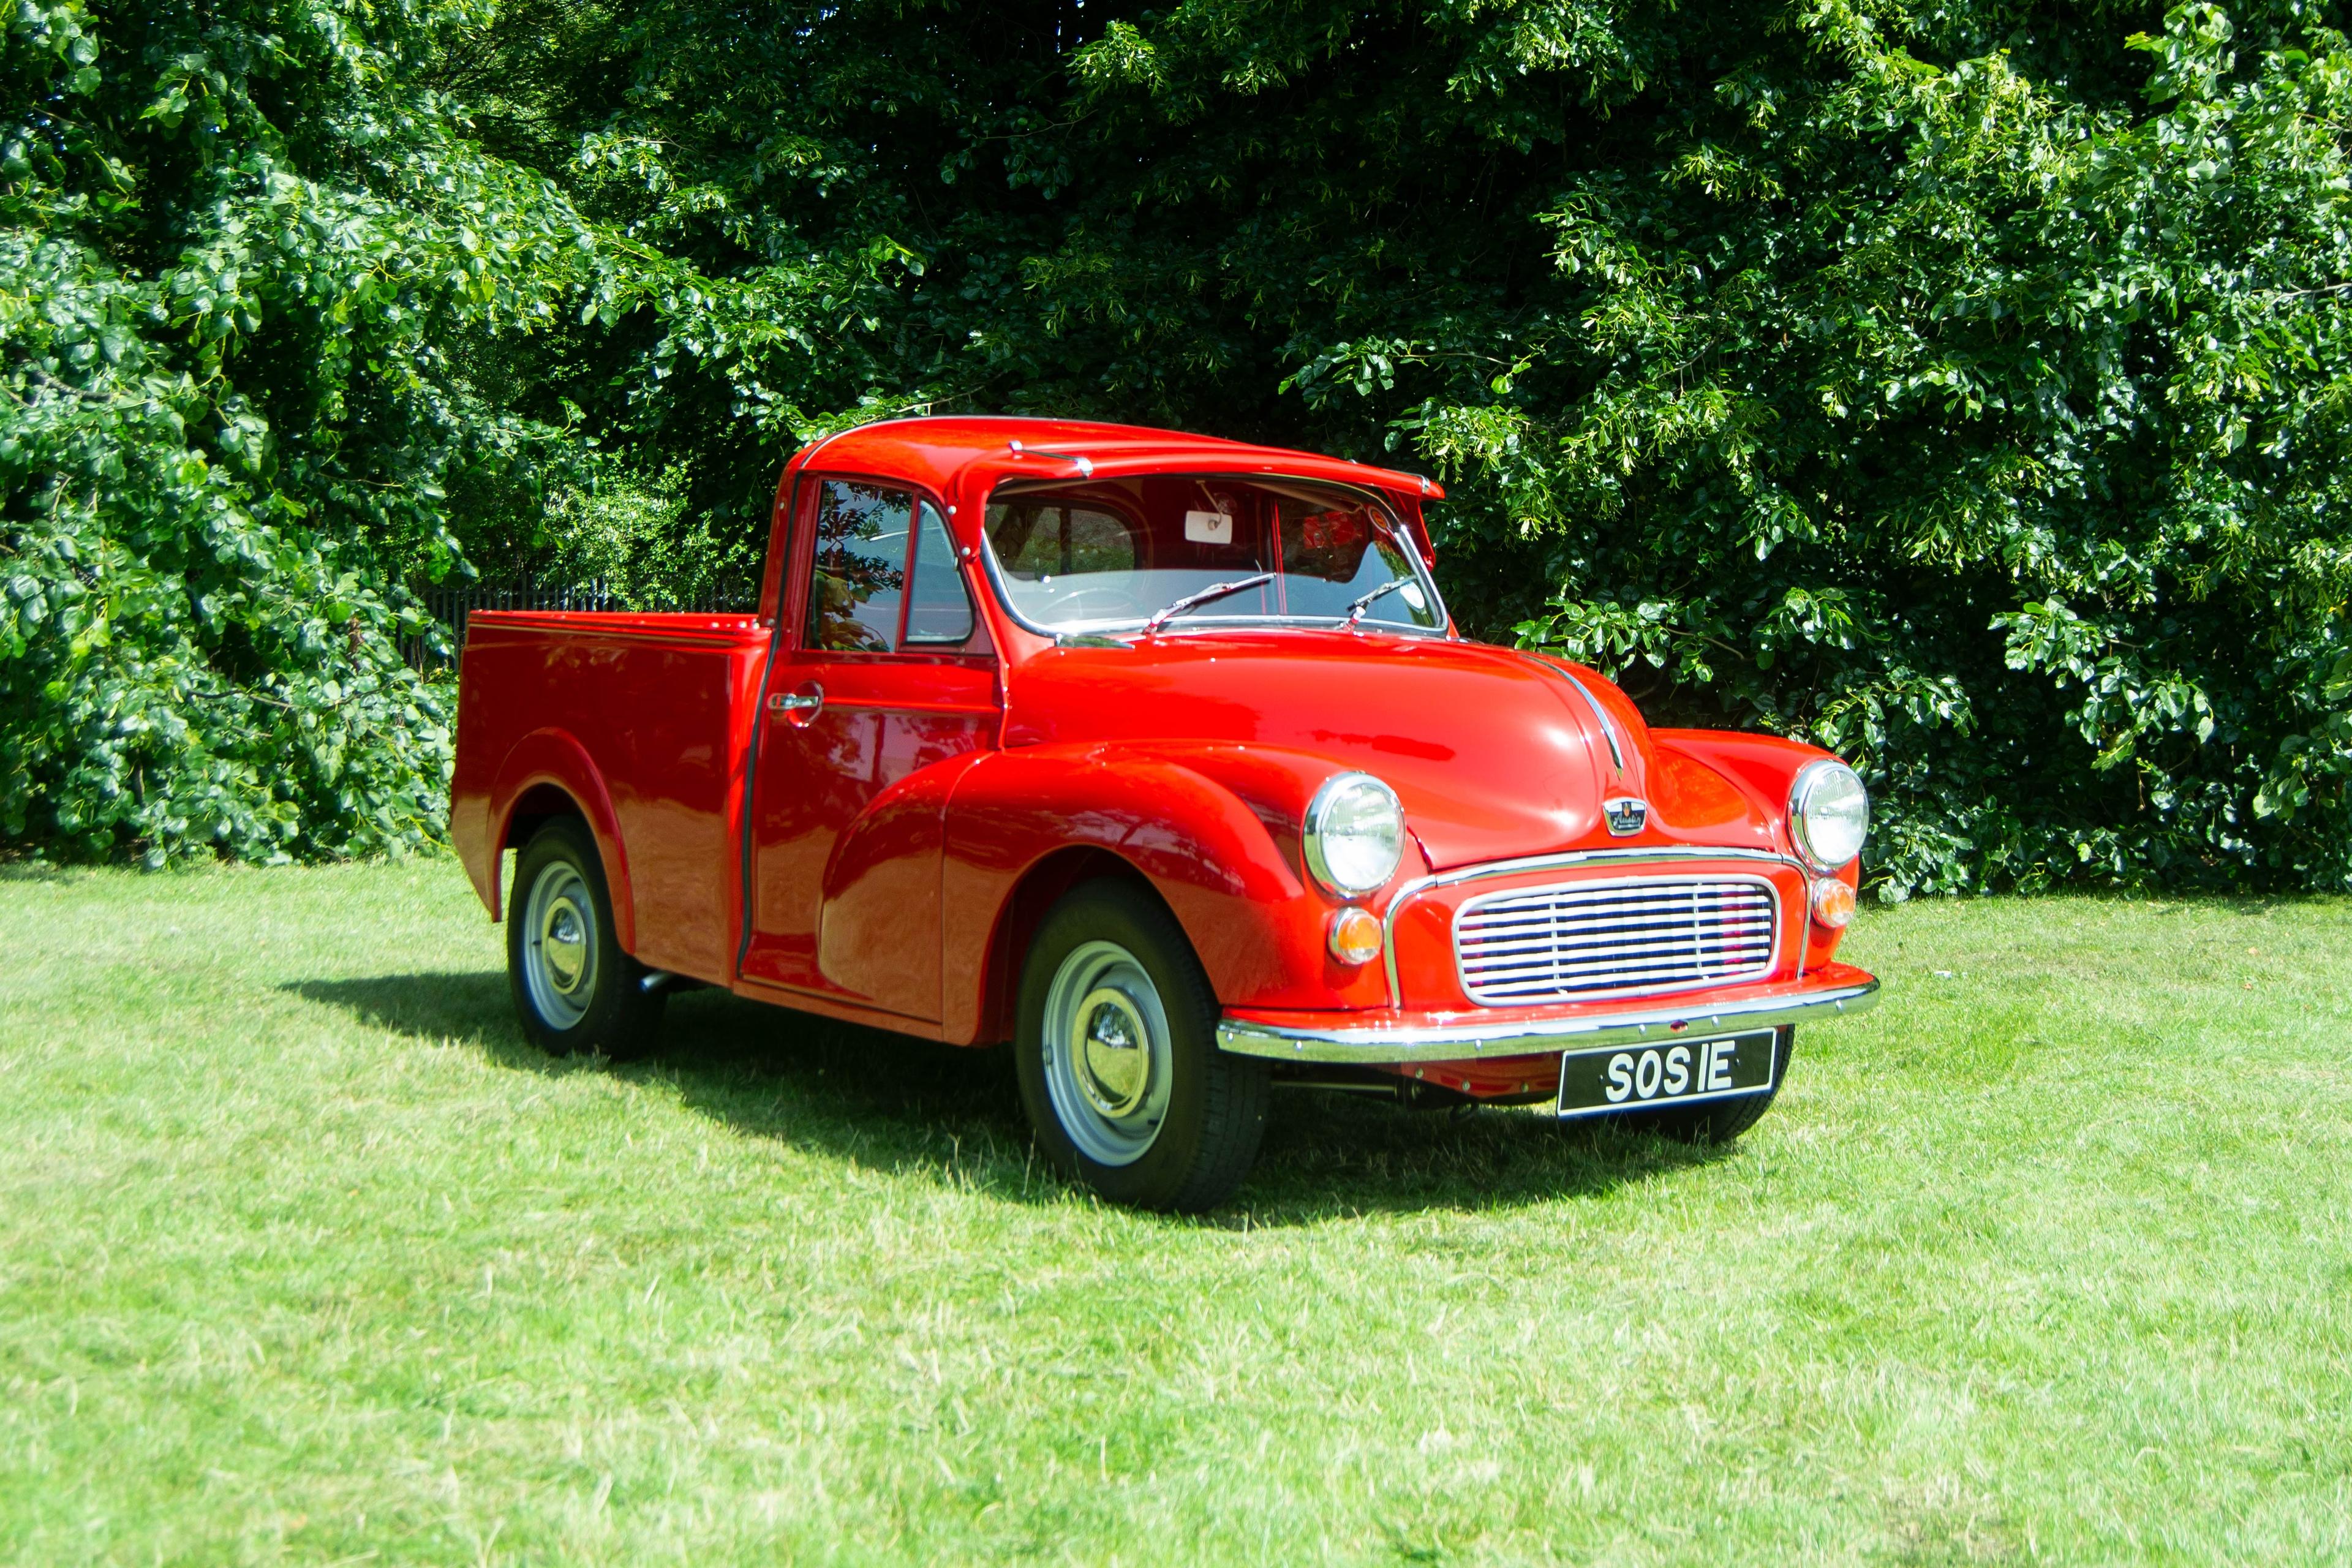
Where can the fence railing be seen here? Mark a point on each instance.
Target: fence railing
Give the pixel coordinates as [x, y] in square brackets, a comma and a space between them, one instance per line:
[451, 605]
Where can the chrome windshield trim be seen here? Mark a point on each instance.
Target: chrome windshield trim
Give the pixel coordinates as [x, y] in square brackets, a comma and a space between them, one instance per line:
[1419, 885]
[1374, 1043]
[992, 568]
[1124, 634]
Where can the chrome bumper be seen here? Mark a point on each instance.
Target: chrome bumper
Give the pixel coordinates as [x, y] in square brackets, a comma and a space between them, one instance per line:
[1467, 1041]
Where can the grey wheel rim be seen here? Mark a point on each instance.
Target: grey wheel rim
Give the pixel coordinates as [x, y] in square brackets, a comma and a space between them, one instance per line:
[1107, 1058]
[559, 945]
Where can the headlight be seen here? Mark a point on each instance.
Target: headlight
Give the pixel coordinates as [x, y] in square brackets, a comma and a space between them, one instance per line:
[1829, 814]
[1355, 833]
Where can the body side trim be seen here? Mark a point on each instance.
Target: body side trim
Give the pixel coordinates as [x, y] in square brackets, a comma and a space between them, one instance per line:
[839, 1007]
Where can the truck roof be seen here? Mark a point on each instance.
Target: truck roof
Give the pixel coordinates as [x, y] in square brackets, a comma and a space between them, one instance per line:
[939, 448]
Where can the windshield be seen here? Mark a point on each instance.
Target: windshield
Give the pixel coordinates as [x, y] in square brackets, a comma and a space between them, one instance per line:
[1108, 555]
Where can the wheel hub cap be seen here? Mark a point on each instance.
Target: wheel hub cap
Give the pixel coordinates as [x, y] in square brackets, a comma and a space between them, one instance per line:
[566, 944]
[1108, 1067]
[559, 958]
[1115, 1069]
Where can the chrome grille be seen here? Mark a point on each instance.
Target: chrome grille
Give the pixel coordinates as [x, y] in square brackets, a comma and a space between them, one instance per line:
[1593, 939]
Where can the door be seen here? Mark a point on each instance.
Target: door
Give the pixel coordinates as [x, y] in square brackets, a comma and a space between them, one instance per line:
[874, 702]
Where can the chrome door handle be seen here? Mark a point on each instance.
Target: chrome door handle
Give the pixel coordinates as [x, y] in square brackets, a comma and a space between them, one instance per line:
[803, 703]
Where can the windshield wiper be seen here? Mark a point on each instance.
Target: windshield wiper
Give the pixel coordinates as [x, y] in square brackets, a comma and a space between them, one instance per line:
[1214, 590]
[1366, 601]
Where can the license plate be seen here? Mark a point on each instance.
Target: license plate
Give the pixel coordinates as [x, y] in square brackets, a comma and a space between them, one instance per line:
[1672, 1072]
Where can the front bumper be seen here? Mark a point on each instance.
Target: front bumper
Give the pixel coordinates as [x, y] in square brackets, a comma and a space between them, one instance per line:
[1834, 990]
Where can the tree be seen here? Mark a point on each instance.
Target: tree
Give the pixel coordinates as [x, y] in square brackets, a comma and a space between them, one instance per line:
[1963, 388]
[242, 250]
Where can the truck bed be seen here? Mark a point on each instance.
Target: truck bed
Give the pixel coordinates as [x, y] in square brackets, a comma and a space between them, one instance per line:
[656, 710]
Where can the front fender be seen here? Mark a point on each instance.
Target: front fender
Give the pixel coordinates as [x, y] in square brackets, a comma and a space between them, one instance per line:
[1256, 926]
[881, 892]
[1763, 768]
[554, 758]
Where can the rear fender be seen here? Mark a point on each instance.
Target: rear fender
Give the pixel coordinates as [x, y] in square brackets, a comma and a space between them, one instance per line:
[553, 759]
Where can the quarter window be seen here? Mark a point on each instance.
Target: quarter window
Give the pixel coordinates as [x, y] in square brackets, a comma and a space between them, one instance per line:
[938, 609]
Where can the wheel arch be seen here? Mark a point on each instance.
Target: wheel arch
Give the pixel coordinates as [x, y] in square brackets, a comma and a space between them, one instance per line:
[1044, 884]
[1025, 826]
[548, 774]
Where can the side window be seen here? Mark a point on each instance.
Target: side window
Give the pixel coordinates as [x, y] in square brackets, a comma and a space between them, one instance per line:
[861, 560]
[937, 608]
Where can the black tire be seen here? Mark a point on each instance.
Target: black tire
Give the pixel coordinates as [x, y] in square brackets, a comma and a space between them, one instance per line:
[1195, 1114]
[604, 1006]
[1717, 1120]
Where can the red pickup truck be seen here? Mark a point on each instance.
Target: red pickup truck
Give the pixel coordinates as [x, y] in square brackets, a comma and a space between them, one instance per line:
[1159, 757]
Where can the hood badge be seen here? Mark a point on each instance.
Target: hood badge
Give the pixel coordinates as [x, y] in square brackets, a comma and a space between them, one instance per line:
[1625, 815]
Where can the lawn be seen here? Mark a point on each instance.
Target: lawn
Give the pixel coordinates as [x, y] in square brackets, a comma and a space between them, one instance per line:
[304, 1257]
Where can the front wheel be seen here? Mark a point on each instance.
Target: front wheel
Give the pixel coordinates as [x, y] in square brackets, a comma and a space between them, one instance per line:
[1716, 1120]
[574, 988]
[1118, 1056]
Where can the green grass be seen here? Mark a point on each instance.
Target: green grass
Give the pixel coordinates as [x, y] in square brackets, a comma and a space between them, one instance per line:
[304, 1257]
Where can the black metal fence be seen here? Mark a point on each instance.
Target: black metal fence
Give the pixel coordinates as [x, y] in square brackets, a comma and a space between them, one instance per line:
[451, 605]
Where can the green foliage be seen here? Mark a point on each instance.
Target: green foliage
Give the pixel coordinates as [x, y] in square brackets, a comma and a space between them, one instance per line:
[631, 535]
[1891, 358]
[239, 249]
[1964, 391]
[1964, 388]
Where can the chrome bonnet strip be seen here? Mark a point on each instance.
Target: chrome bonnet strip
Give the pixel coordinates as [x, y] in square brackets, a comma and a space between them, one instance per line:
[1374, 1043]
[1600, 716]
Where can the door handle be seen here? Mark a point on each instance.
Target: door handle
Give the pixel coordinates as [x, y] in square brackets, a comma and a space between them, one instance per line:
[801, 706]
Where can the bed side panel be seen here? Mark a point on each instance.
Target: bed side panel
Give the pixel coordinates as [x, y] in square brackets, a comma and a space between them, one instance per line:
[662, 706]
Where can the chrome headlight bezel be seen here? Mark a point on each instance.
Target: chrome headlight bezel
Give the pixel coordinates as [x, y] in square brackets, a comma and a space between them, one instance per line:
[1319, 846]
[1809, 793]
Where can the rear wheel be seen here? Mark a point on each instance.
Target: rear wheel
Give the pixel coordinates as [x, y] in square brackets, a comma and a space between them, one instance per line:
[1715, 1120]
[574, 988]
[1117, 1056]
